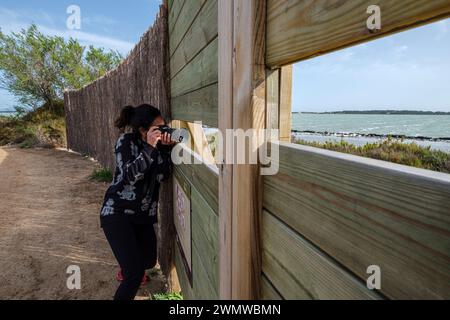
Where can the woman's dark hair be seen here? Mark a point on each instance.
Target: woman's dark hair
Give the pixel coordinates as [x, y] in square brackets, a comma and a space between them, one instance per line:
[137, 117]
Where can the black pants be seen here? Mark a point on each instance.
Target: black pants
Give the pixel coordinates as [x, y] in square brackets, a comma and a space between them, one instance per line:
[135, 248]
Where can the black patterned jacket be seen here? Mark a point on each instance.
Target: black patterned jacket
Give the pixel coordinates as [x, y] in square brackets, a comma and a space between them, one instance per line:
[134, 192]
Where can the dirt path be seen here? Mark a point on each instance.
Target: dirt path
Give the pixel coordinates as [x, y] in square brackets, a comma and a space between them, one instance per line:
[48, 221]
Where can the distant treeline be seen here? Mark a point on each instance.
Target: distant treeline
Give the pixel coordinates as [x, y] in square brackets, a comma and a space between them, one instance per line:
[385, 112]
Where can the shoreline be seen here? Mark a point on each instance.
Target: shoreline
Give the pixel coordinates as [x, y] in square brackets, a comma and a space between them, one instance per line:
[371, 135]
[437, 144]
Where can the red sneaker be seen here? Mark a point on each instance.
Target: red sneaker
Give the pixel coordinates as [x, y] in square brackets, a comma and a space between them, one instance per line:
[145, 280]
[120, 278]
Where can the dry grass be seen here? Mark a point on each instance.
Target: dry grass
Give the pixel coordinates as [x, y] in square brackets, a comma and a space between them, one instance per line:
[43, 127]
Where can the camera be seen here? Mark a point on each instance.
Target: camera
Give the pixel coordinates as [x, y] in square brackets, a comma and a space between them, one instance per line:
[176, 135]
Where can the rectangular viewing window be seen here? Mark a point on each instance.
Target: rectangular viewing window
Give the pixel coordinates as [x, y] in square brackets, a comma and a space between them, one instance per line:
[388, 99]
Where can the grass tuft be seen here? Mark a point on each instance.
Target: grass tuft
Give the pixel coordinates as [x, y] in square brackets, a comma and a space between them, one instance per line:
[168, 296]
[102, 175]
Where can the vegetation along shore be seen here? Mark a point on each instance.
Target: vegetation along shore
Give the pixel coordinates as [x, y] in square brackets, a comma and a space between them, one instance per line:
[391, 150]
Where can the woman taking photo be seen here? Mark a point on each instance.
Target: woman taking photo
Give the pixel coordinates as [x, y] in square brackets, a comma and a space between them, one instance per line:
[130, 207]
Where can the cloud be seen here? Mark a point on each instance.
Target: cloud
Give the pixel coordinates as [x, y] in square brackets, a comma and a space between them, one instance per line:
[87, 38]
[14, 21]
[99, 20]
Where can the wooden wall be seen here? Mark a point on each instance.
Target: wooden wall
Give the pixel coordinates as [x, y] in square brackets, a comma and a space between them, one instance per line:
[329, 216]
[194, 60]
[301, 29]
[194, 95]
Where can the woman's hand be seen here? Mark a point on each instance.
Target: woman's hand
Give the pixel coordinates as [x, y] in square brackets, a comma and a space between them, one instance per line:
[154, 136]
[166, 140]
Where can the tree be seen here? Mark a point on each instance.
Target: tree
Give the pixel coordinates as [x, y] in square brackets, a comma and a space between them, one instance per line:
[37, 68]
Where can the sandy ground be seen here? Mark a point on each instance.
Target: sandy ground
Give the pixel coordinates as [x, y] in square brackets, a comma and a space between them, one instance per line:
[49, 220]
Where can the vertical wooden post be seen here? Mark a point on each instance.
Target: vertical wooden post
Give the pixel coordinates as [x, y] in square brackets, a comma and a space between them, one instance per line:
[285, 117]
[166, 228]
[273, 101]
[226, 8]
[242, 106]
[279, 102]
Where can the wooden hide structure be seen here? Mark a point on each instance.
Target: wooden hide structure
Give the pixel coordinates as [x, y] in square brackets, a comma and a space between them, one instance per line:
[312, 230]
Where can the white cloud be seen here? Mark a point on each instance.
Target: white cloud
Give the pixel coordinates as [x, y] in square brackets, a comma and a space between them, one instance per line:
[14, 21]
[99, 20]
[87, 38]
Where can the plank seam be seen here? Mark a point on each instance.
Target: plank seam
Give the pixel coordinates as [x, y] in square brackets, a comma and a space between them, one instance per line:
[189, 27]
[326, 255]
[266, 277]
[195, 90]
[208, 278]
[195, 56]
[176, 19]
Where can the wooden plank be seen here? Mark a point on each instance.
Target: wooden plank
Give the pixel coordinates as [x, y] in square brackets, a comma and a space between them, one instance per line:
[199, 105]
[248, 113]
[225, 97]
[199, 73]
[365, 212]
[201, 145]
[169, 5]
[186, 289]
[202, 286]
[174, 12]
[199, 35]
[205, 236]
[268, 292]
[273, 101]
[279, 103]
[285, 123]
[301, 272]
[205, 227]
[187, 16]
[198, 142]
[301, 29]
[204, 178]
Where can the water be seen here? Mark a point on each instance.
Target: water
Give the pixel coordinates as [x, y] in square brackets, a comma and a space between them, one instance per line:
[7, 113]
[406, 125]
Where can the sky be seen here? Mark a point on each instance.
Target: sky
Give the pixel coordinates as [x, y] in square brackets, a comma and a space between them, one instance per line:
[409, 70]
[116, 25]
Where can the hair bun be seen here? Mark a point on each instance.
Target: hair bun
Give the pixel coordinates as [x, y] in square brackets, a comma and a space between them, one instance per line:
[128, 110]
[125, 118]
